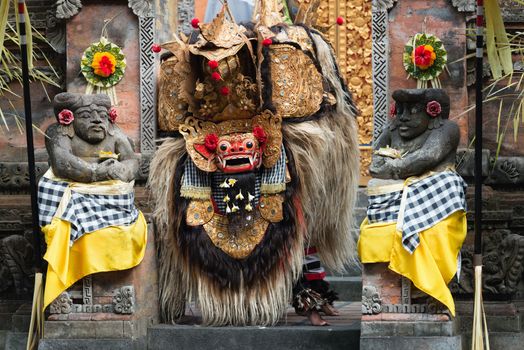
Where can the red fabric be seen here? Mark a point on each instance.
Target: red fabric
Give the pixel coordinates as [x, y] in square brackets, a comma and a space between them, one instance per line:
[310, 250]
[315, 276]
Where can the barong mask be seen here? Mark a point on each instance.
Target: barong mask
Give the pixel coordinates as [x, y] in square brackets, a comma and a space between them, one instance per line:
[234, 146]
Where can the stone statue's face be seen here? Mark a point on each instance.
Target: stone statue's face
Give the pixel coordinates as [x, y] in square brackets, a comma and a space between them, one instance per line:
[91, 123]
[412, 120]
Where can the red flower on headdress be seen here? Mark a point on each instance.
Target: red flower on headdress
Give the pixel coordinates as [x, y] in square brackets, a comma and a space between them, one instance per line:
[260, 134]
[65, 117]
[216, 76]
[195, 22]
[156, 48]
[393, 109]
[340, 21]
[433, 108]
[224, 91]
[211, 142]
[267, 42]
[112, 115]
[212, 64]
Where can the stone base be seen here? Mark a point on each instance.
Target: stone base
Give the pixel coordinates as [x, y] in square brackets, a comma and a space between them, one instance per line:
[402, 335]
[90, 344]
[403, 343]
[89, 325]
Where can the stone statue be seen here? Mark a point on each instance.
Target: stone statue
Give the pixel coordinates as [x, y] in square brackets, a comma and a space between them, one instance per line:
[416, 216]
[419, 138]
[85, 145]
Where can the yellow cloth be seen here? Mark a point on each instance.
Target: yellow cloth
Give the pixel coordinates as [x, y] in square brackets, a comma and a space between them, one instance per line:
[109, 249]
[431, 266]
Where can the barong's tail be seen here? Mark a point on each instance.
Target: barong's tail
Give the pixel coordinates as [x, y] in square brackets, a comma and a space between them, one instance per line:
[254, 290]
[327, 160]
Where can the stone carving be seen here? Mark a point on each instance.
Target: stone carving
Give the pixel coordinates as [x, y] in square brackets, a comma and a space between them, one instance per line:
[503, 262]
[62, 305]
[67, 8]
[512, 11]
[16, 261]
[506, 171]
[417, 141]
[186, 11]
[14, 175]
[87, 290]
[91, 147]
[142, 8]
[383, 5]
[371, 301]
[429, 308]
[147, 85]
[464, 5]
[124, 300]
[380, 59]
[55, 32]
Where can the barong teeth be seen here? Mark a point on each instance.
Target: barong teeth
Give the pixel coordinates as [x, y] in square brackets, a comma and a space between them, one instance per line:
[250, 160]
[239, 196]
[224, 184]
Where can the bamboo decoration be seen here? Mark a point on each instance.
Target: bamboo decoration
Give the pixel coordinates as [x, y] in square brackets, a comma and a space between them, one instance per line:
[37, 321]
[479, 330]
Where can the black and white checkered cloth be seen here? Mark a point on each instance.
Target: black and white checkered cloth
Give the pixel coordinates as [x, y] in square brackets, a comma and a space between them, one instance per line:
[85, 212]
[195, 178]
[428, 202]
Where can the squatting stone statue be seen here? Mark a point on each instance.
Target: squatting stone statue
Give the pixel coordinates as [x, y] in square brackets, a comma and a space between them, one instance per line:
[85, 145]
[416, 217]
[419, 138]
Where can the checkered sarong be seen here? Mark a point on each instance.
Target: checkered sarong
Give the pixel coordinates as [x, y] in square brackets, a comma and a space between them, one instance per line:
[85, 212]
[427, 202]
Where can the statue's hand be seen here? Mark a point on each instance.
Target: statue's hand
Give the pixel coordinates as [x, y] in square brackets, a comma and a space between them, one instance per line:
[377, 166]
[385, 168]
[120, 171]
[102, 171]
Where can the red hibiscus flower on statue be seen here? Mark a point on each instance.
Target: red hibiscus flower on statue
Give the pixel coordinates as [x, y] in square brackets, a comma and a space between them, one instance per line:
[392, 110]
[112, 115]
[433, 108]
[65, 117]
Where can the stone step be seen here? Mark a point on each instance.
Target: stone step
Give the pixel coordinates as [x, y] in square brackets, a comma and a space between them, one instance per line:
[93, 344]
[349, 288]
[188, 337]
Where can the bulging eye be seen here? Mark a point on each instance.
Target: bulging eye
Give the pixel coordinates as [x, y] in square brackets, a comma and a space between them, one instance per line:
[249, 144]
[223, 147]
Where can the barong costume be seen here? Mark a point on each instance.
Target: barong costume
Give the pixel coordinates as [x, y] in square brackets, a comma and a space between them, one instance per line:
[260, 161]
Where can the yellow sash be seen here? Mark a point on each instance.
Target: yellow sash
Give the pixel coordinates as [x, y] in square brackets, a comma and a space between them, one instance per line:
[112, 248]
[431, 266]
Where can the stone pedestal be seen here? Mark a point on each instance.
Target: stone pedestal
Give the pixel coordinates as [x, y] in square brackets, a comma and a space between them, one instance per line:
[395, 315]
[116, 307]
